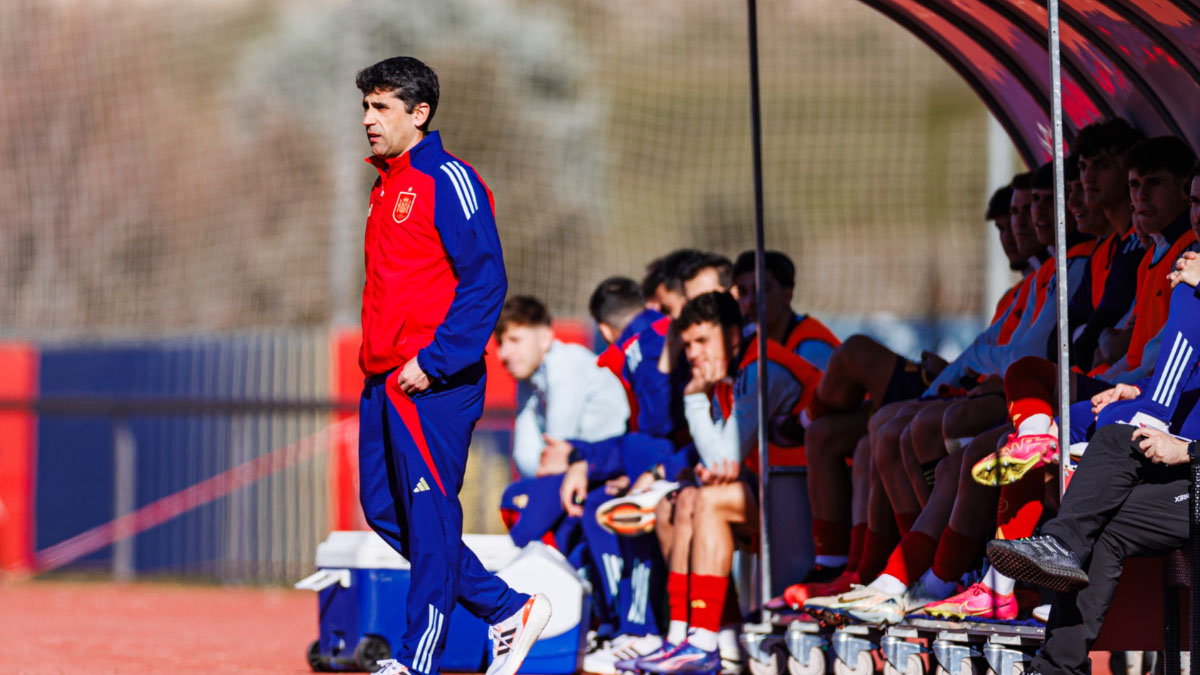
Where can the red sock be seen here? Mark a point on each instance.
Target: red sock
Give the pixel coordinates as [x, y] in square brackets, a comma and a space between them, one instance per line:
[905, 521]
[1029, 387]
[955, 553]
[1021, 505]
[912, 557]
[830, 537]
[708, 601]
[876, 548]
[732, 614]
[677, 596]
[857, 534]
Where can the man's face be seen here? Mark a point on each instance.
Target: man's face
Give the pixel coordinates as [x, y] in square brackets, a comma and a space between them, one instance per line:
[1021, 221]
[1103, 177]
[778, 298]
[1194, 205]
[1158, 198]
[391, 129]
[1008, 243]
[671, 302]
[1079, 210]
[1143, 238]
[706, 343]
[1043, 216]
[707, 281]
[522, 348]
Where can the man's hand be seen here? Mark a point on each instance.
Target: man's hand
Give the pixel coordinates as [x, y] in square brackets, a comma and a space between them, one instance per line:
[411, 378]
[615, 486]
[1187, 270]
[705, 375]
[643, 482]
[991, 384]
[554, 456]
[726, 471]
[932, 363]
[1160, 447]
[574, 489]
[1121, 392]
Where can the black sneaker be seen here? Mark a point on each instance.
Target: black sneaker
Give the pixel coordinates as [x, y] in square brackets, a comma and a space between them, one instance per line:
[1038, 560]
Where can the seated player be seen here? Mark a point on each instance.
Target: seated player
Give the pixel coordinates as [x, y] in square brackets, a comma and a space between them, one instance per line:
[1129, 496]
[709, 273]
[721, 402]
[561, 393]
[630, 569]
[663, 286]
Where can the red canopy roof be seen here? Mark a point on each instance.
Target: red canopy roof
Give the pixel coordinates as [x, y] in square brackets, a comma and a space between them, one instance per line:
[1137, 59]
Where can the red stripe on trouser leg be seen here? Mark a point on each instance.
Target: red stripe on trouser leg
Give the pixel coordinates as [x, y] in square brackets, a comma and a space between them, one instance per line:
[905, 522]
[677, 596]
[412, 421]
[509, 517]
[955, 553]
[1021, 505]
[731, 615]
[912, 557]
[876, 548]
[830, 538]
[707, 601]
[857, 534]
[1029, 387]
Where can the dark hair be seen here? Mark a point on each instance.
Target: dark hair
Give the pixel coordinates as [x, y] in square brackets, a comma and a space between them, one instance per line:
[778, 265]
[715, 308]
[998, 205]
[522, 310]
[410, 80]
[666, 270]
[1115, 137]
[1071, 168]
[614, 300]
[692, 267]
[1023, 181]
[1043, 177]
[1162, 152]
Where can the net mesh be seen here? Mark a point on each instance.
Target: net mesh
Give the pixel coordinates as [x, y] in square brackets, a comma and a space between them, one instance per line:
[180, 168]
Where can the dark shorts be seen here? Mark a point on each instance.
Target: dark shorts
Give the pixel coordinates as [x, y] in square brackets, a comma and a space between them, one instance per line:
[909, 380]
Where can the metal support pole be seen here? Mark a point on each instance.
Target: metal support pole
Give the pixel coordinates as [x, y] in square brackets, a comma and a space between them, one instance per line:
[124, 497]
[1060, 248]
[761, 314]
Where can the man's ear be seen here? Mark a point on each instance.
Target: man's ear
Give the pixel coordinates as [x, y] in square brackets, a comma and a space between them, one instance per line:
[420, 114]
[545, 337]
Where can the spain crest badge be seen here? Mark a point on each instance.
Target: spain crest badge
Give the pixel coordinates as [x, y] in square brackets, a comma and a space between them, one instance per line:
[404, 206]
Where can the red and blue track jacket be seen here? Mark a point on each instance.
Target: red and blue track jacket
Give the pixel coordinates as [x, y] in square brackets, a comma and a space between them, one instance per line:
[435, 277]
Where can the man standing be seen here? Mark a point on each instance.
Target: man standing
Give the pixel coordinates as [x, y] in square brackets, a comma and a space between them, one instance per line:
[434, 286]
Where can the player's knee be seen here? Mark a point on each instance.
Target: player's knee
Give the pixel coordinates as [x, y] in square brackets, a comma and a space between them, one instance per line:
[685, 504]
[947, 469]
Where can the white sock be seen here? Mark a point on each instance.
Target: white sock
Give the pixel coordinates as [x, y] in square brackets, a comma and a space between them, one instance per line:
[677, 632]
[889, 584]
[727, 642]
[999, 583]
[832, 560]
[938, 586]
[1034, 424]
[703, 639]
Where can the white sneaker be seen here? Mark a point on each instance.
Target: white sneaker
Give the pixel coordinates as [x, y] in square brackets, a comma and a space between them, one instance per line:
[623, 647]
[512, 637]
[1042, 613]
[633, 514]
[390, 667]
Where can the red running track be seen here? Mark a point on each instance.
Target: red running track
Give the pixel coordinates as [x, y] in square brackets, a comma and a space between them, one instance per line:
[83, 627]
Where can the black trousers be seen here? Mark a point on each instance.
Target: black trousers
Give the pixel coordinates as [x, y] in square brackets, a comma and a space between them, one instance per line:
[1119, 504]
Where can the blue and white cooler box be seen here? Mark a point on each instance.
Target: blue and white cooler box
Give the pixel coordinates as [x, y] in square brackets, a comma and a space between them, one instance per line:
[361, 586]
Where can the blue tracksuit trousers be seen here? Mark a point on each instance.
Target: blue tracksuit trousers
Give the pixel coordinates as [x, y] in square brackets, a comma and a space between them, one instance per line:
[412, 457]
